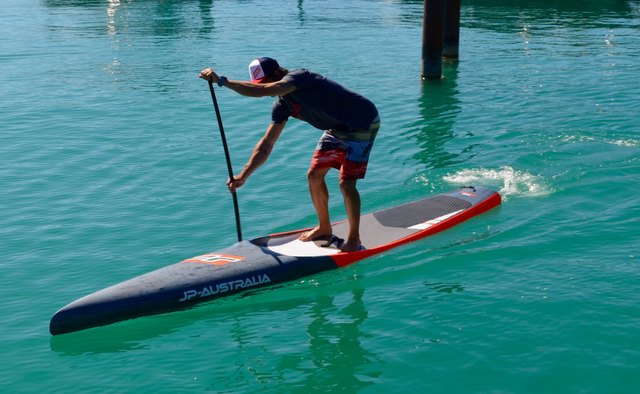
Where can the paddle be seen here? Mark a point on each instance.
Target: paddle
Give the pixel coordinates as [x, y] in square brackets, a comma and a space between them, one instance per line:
[226, 154]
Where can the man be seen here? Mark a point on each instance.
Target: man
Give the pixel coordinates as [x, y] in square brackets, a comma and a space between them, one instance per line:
[350, 123]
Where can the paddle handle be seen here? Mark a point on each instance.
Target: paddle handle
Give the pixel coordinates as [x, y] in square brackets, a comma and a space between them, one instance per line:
[228, 158]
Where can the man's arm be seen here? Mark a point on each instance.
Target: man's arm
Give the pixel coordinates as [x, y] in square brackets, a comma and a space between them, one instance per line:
[280, 88]
[260, 154]
[245, 88]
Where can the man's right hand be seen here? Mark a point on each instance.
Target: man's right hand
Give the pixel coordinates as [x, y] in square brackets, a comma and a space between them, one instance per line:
[209, 75]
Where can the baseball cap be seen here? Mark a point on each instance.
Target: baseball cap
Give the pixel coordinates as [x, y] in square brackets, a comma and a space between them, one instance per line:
[261, 68]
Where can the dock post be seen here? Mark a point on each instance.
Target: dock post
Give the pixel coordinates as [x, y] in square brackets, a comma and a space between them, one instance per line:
[432, 39]
[451, 30]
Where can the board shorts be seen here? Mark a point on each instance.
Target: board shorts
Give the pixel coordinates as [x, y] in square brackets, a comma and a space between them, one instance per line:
[347, 152]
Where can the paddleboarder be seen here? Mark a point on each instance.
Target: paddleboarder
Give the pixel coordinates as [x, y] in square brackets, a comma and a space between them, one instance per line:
[349, 122]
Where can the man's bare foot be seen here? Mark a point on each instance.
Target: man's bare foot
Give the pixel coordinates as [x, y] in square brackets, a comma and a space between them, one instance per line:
[316, 234]
[351, 246]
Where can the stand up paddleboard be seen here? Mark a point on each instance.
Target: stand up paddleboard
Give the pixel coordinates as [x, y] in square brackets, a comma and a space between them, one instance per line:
[268, 260]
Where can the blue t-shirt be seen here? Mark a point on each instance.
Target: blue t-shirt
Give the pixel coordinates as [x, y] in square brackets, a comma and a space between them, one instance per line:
[323, 104]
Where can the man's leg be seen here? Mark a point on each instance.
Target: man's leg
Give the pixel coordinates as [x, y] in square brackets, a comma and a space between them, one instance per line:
[352, 206]
[320, 198]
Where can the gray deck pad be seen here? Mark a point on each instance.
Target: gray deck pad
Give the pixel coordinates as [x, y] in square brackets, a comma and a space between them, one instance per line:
[378, 228]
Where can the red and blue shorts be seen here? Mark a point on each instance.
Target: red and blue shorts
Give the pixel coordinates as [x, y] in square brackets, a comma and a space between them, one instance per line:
[346, 151]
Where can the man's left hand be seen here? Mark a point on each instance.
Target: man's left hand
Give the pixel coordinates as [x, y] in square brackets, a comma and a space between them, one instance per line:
[209, 75]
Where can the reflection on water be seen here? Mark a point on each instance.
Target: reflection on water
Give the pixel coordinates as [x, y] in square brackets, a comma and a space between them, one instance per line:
[440, 288]
[439, 108]
[301, 12]
[335, 344]
[505, 15]
[176, 16]
[147, 18]
[333, 354]
[502, 15]
[332, 351]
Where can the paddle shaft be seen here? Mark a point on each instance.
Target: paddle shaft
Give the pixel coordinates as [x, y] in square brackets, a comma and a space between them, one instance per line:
[226, 154]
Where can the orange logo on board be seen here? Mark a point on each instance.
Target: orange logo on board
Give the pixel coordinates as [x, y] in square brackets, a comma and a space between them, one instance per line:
[214, 259]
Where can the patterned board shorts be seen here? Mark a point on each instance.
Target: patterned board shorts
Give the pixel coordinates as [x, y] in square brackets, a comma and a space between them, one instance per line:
[348, 153]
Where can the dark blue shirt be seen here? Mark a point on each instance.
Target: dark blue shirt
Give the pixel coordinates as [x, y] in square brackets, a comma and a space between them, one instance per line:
[323, 104]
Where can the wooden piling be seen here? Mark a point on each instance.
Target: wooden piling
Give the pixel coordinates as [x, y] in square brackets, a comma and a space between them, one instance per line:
[432, 39]
[451, 29]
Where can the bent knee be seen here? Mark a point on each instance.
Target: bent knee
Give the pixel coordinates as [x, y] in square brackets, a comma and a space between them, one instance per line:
[316, 175]
[348, 185]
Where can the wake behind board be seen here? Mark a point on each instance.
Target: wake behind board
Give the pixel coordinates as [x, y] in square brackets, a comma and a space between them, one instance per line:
[268, 260]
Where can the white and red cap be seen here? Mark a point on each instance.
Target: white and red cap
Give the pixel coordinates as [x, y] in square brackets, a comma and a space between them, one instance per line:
[262, 68]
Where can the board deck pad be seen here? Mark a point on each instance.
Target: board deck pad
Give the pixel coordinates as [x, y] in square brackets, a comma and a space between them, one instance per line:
[378, 228]
[264, 261]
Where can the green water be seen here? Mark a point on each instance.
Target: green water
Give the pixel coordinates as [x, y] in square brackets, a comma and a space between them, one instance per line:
[112, 167]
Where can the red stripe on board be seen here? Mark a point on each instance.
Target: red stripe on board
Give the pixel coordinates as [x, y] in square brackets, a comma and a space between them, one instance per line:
[344, 259]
